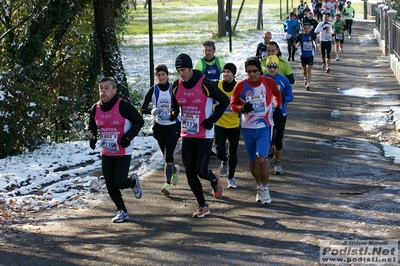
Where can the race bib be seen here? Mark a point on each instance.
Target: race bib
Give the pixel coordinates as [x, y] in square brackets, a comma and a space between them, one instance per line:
[109, 142]
[339, 36]
[190, 123]
[307, 46]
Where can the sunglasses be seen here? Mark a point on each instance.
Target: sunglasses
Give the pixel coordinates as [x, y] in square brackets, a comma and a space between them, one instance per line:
[252, 71]
[274, 67]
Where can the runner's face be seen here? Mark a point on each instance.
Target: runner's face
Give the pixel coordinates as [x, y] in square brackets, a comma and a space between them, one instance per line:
[306, 29]
[253, 73]
[267, 37]
[208, 52]
[185, 73]
[106, 91]
[272, 71]
[227, 75]
[162, 77]
[272, 50]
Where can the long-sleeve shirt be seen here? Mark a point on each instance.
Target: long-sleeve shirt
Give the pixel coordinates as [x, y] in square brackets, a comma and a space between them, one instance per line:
[259, 94]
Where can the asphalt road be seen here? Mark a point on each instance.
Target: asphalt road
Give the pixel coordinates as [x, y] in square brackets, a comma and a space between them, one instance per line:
[336, 185]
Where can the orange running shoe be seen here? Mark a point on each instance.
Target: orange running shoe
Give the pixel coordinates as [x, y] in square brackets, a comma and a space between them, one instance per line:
[201, 211]
[218, 188]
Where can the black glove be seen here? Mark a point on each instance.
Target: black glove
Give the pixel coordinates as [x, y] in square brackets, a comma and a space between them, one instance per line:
[92, 142]
[172, 117]
[125, 141]
[247, 107]
[208, 123]
[278, 112]
[283, 98]
[285, 30]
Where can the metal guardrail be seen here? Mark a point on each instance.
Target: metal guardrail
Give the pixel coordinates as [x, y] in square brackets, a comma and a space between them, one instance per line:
[396, 36]
[387, 33]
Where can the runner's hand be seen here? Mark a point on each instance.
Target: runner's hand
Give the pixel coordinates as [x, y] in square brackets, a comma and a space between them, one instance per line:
[247, 107]
[208, 123]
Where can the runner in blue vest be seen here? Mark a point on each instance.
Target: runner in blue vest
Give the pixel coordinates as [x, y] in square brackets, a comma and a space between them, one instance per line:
[210, 65]
[307, 43]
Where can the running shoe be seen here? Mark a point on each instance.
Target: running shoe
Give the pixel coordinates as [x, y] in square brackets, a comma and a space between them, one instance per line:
[337, 58]
[120, 217]
[323, 65]
[265, 197]
[307, 87]
[174, 178]
[349, 36]
[217, 188]
[232, 183]
[137, 189]
[328, 69]
[223, 168]
[258, 195]
[165, 189]
[201, 211]
[305, 81]
[278, 169]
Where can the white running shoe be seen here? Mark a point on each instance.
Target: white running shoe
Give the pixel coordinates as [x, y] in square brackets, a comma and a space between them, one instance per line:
[223, 168]
[137, 189]
[120, 217]
[278, 169]
[328, 69]
[232, 183]
[258, 195]
[265, 197]
[175, 178]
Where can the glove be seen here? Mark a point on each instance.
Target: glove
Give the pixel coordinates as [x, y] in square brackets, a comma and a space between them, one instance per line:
[92, 142]
[125, 141]
[283, 98]
[247, 107]
[172, 117]
[154, 111]
[208, 123]
[285, 30]
[278, 112]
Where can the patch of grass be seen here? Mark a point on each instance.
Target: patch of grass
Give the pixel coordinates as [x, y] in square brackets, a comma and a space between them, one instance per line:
[185, 22]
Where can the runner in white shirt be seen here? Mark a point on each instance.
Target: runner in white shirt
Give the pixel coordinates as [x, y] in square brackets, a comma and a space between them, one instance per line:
[325, 31]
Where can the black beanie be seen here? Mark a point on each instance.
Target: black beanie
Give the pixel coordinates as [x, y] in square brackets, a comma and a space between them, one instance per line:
[231, 67]
[253, 61]
[161, 67]
[183, 61]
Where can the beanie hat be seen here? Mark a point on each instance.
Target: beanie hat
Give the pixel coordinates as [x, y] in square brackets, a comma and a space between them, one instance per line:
[253, 61]
[231, 67]
[183, 61]
[272, 61]
[161, 67]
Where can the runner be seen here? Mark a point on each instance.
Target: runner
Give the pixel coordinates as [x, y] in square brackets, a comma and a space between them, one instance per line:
[285, 88]
[325, 31]
[349, 14]
[166, 132]
[307, 43]
[227, 128]
[338, 27]
[193, 96]
[253, 98]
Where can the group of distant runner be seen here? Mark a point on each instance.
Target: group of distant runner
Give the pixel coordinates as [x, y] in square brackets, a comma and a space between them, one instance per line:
[328, 32]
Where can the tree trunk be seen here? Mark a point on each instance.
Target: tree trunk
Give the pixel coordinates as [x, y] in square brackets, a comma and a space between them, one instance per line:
[111, 60]
[221, 19]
